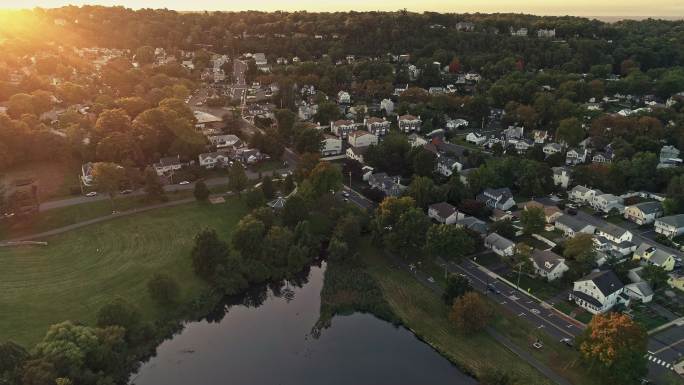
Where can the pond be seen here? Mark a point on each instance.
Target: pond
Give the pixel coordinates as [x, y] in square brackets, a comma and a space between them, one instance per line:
[268, 337]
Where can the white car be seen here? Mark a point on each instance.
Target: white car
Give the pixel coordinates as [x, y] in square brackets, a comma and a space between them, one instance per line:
[91, 194]
[184, 182]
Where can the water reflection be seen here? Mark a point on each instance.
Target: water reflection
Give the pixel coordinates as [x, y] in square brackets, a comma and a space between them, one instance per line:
[265, 337]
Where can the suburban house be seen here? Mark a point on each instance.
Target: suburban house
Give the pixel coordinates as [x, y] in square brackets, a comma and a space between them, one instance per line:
[602, 157]
[614, 233]
[521, 146]
[249, 155]
[598, 292]
[474, 224]
[561, 176]
[676, 281]
[607, 202]
[361, 139]
[670, 226]
[475, 138]
[654, 256]
[644, 213]
[343, 97]
[501, 198]
[546, 33]
[669, 157]
[551, 213]
[331, 145]
[571, 226]
[342, 128]
[540, 136]
[167, 165]
[446, 166]
[214, 159]
[640, 291]
[390, 185]
[576, 156]
[552, 148]
[499, 245]
[408, 123]
[455, 124]
[614, 240]
[387, 105]
[87, 173]
[377, 126]
[356, 153]
[583, 194]
[444, 213]
[548, 264]
[513, 132]
[223, 141]
[416, 140]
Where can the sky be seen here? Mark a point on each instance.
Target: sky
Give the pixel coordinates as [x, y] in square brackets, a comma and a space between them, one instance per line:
[663, 8]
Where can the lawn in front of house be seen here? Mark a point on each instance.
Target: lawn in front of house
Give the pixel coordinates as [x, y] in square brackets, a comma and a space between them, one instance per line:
[80, 271]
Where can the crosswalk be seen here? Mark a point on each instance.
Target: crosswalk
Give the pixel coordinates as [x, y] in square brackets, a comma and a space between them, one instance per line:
[658, 361]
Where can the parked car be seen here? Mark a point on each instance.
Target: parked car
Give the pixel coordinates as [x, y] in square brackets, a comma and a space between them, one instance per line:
[346, 194]
[91, 194]
[126, 191]
[571, 211]
[184, 182]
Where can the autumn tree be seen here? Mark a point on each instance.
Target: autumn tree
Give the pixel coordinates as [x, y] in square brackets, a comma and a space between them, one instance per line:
[614, 346]
[471, 313]
[456, 286]
[108, 178]
[154, 190]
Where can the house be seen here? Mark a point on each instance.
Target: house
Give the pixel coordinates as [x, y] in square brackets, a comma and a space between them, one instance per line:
[551, 213]
[463, 174]
[607, 202]
[475, 138]
[167, 165]
[644, 213]
[342, 128]
[249, 155]
[571, 226]
[446, 166]
[548, 264]
[416, 140]
[576, 156]
[87, 174]
[390, 185]
[676, 281]
[614, 241]
[356, 153]
[473, 224]
[500, 198]
[513, 132]
[540, 136]
[331, 145]
[343, 97]
[655, 256]
[361, 139]
[546, 33]
[614, 233]
[639, 291]
[670, 226]
[561, 176]
[582, 194]
[214, 159]
[387, 105]
[464, 26]
[552, 148]
[602, 157]
[520, 32]
[499, 245]
[598, 292]
[377, 126]
[669, 157]
[307, 111]
[409, 123]
[223, 141]
[500, 215]
[444, 213]
[455, 124]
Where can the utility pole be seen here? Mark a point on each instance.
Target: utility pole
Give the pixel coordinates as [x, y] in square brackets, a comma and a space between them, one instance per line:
[350, 186]
[517, 285]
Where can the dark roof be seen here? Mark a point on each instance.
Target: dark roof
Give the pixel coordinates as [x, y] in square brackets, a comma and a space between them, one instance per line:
[676, 221]
[613, 230]
[444, 209]
[587, 298]
[572, 222]
[649, 207]
[606, 281]
[546, 259]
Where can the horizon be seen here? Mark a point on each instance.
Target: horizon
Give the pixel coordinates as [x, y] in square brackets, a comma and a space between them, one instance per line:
[629, 9]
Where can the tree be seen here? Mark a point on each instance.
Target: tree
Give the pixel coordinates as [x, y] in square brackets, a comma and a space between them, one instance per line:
[119, 312]
[108, 177]
[12, 356]
[144, 54]
[115, 120]
[294, 211]
[532, 220]
[254, 198]
[504, 228]
[38, 372]
[154, 191]
[248, 237]
[325, 177]
[456, 286]
[237, 179]
[267, 187]
[424, 162]
[656, 276]
[408, 235]
[447, 241]
[470, 313]
[163, 289]
[208, 253]
[338, 249]
[308, 140]
[348, 229]
[580, 248]
[423, 190]
[201, 192]
[615, 347]
[570, 131]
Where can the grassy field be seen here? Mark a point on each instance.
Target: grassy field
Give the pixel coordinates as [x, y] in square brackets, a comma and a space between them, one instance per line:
[82, 270]
[422, 311]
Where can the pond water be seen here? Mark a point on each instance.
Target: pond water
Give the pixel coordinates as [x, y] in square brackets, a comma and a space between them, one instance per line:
[268, 337]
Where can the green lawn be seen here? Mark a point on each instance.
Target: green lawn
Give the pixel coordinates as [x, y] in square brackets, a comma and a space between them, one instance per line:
[489, 260]
[82, 270]
[537, 286]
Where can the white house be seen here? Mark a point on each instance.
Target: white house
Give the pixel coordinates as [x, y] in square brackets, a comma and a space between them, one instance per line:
[444, 213]
[343, 97]
[447, 165]
[571, 226]
[607, 202]
[387, 105]
[655, 256]
[548, 264]
[416, 140]
[390, 185]
[640, 291]
[409, 123]
[214, 159]
[582, 194]
[475, 138]
[500, 198]
[377, 126]
[455, 124]
[561, 176]
[331, 145]
[546, 33]
[499, 245]
[669, 157]
[361, 139]
[670, 226]
[223, 141]
[513, 132]
[614, 233]
[644, 213]
[576, 156]
[552, 148]
[342, 127]
[356, 153]
[167, 165]
[598, 292]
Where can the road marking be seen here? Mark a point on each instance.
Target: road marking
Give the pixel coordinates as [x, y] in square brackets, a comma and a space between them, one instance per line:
[513, 298]
[569, 326]
[540, 326]
[669, 346]
[503, 303]
[521, 314]
[534, 311]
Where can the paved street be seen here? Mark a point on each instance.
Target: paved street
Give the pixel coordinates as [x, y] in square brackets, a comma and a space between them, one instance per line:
[666, 347]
